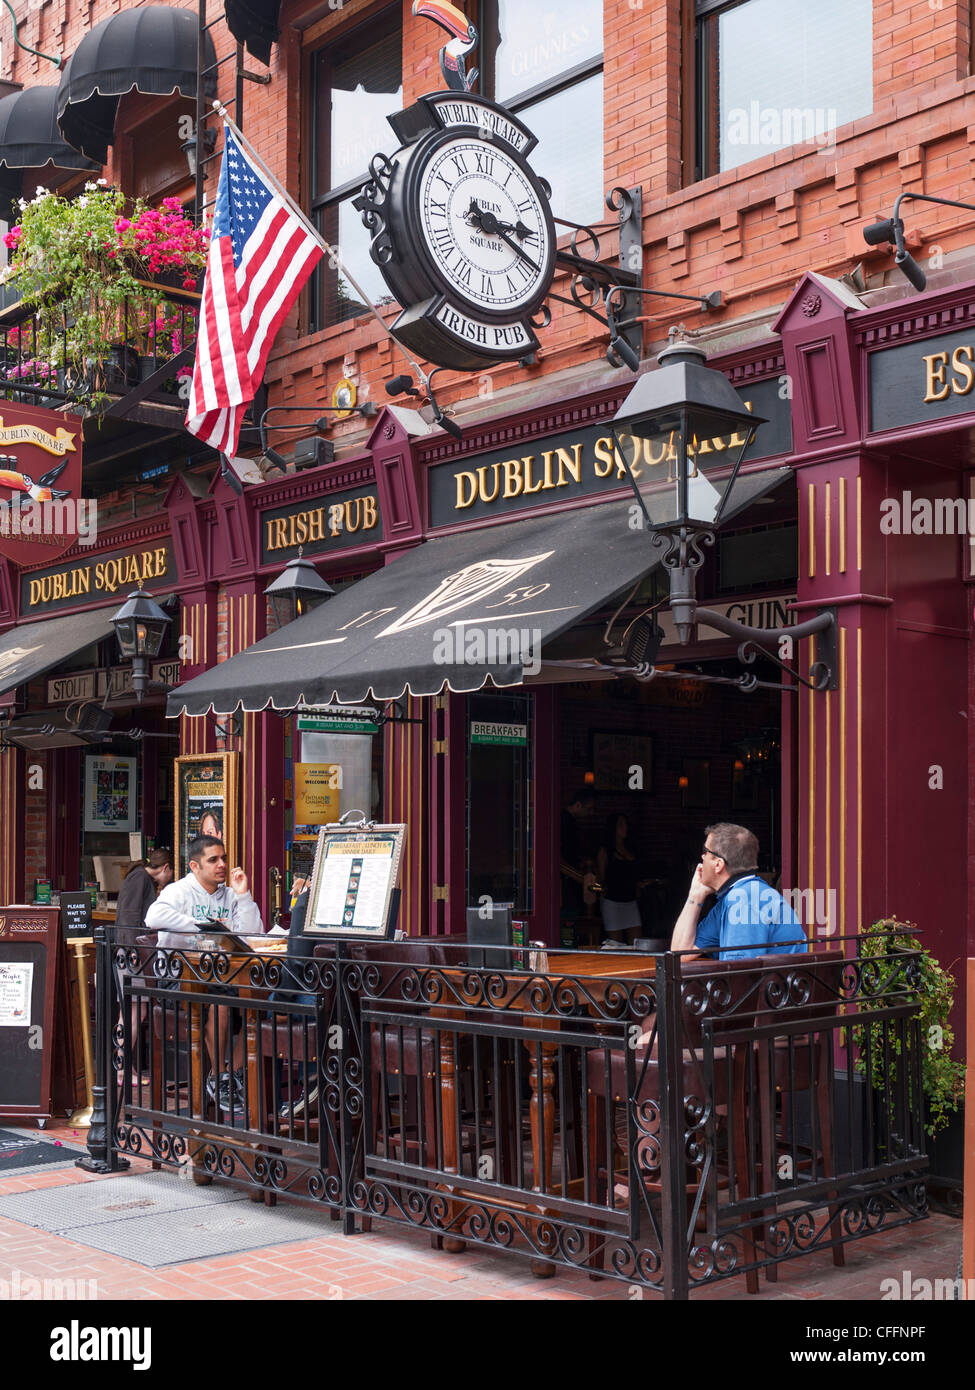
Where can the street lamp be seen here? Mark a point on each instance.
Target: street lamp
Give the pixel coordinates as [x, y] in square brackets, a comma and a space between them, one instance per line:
[681, 434]
[297, 590]
[140, 626]
[190, 149]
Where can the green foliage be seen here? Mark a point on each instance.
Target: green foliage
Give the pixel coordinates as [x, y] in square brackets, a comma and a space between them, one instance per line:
[942, 1078]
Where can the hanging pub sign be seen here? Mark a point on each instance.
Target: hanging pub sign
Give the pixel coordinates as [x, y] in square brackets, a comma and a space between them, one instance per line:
[85, 582]
[41, 512]
[579, 463]
[462, 230]
[339, 521]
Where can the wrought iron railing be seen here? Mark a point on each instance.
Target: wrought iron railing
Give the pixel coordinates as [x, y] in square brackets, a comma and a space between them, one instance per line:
[686, 1123]
[150, 359]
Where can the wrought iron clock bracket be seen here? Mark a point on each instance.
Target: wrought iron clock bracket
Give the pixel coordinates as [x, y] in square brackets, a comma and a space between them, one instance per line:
[612, 294]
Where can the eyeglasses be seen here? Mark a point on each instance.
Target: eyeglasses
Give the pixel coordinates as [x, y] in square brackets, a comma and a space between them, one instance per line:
[708, 850]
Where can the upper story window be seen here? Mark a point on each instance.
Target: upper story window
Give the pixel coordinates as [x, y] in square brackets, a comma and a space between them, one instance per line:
[545, 63]
[355, 84]
[773, 73]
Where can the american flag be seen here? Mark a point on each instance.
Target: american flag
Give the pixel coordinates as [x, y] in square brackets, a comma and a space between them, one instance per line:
[261, 254]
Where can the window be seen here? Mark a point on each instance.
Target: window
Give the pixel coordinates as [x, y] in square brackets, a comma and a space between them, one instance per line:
[545, 63]
[355, 84]
[774, 73]
[499, 803]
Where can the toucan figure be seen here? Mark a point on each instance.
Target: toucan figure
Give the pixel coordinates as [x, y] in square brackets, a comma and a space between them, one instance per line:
[452, 55]
[22, 485]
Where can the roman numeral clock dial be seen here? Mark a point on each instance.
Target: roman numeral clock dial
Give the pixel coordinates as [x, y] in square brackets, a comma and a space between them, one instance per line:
[462, 231]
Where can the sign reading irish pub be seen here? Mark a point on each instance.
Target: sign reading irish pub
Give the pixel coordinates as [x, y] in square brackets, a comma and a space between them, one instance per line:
[41, 512]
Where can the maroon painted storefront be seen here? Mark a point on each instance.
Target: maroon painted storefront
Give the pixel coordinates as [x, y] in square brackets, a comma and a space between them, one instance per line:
[872, 807]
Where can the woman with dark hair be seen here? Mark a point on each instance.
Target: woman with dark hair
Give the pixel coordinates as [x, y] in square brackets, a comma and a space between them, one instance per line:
[618, 874]
[139, 888]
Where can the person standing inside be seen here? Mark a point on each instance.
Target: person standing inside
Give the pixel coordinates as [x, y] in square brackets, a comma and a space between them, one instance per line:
[575, 867]
[617, 869]
[143, 881]
[200, 900]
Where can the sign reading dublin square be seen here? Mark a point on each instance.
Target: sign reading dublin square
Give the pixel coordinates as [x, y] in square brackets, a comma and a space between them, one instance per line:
[581, 462]
[85, 582]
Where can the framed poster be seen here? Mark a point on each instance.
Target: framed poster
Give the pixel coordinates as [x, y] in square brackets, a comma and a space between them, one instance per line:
[355, 876]
[205, 803]
[616, 756]
[111, 793]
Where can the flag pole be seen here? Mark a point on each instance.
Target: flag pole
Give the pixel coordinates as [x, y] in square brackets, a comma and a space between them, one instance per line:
[334, 253]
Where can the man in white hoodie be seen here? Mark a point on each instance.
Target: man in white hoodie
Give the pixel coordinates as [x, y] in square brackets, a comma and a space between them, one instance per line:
[199, 901]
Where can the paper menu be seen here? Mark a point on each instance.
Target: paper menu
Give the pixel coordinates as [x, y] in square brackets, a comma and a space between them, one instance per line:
[15, 993]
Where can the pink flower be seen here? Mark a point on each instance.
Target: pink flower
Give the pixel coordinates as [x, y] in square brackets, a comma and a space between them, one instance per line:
[12, 238]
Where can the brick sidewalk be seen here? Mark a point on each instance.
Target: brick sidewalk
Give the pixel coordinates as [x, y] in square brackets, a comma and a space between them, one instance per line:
[392, 1263]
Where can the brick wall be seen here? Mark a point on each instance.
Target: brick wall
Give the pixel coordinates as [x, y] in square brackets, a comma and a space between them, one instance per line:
[749, 232]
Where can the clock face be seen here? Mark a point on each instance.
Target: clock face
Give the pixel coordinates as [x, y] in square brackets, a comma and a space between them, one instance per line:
[503, 265]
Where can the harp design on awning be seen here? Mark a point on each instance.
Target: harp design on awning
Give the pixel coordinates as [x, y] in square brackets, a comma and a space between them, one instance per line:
[468, 586]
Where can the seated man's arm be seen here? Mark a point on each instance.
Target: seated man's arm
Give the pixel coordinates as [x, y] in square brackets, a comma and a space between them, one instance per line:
[685, 929]
[246, 916]
[166, 913]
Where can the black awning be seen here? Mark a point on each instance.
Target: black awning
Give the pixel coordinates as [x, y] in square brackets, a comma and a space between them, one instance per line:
[458, 611]
[33, 648]
[150, 50]
[254, 23]
[29, 134]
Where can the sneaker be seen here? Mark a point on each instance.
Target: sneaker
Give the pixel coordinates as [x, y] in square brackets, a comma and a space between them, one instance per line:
[295, 1105]
[230, 1092]
[212, 1087]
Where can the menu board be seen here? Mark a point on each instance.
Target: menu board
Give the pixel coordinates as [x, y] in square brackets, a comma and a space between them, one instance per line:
[111, 793]
[356, 874]
[31, 1021]
[205, 800]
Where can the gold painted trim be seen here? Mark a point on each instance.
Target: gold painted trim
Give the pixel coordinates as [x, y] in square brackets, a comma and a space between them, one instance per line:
[811, 502]
[810, 864]
[859, 523]
[843, 525]
[843, 754]
[827, 882]
[860, 779]
[829, 524]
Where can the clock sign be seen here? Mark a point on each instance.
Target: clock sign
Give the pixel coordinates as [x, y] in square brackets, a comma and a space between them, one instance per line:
[462, 231]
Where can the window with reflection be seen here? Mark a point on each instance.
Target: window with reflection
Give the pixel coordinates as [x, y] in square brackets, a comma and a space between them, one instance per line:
[769, 74]
[545, 63]
[356, 83]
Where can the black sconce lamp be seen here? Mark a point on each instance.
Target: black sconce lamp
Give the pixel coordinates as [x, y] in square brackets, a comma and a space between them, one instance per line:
[140, 626]
[891, 229]
[297, 590]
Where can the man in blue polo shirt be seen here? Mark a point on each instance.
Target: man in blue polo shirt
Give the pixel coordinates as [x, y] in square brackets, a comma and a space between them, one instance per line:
[748, 917]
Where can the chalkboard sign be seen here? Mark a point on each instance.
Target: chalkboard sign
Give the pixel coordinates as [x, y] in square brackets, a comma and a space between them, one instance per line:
[75, 914]
[30, 956]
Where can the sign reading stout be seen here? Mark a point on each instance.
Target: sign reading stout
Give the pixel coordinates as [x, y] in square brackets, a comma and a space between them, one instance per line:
[558, 467]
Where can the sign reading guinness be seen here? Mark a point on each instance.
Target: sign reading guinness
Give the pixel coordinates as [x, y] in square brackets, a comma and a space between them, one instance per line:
[578, 464]
[342, 520]
[86, 581]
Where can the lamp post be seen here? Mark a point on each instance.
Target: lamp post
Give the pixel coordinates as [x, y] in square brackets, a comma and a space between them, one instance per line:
[297, 590]
[682, 434]
[140, 626]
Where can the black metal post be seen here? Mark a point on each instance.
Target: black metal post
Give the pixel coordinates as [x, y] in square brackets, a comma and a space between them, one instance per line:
[673, 1192]
[102, 1156]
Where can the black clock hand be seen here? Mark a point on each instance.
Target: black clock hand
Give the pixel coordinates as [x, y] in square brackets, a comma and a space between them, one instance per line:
[518, 251]
[490, 226]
